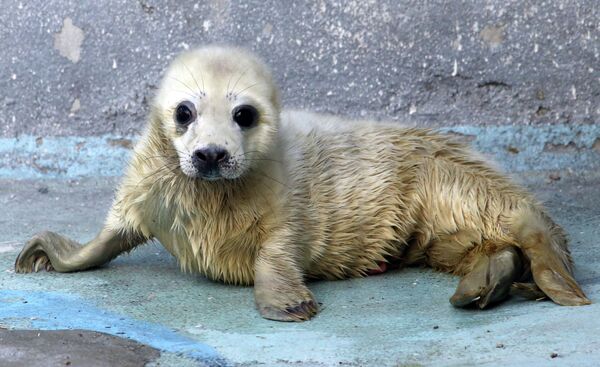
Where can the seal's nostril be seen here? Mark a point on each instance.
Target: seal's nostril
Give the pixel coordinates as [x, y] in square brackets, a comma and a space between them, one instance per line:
[200, 155]
[221, 155]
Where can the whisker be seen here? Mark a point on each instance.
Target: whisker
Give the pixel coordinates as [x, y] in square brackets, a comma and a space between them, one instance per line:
[193, 78]
[175, 150]
[251, 151]
[271, 178]
[236, 150]
[154, 182]
[245, 89]
[162, 169]
[194, 93]
[191, 95]
[238, 79]
[159, 155]
[266, 199]
[147, 158]
[228, 83]
[260, 159]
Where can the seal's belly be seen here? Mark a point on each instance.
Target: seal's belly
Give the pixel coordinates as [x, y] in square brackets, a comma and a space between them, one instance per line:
[358, 242]
[361, 203]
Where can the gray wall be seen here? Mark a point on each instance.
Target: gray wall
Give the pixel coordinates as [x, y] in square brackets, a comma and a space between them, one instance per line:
[90, 67]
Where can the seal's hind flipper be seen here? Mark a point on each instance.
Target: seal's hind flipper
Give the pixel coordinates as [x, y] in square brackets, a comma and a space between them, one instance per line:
[490, 280]
[544, 244]
[528, 290]
[558, 284]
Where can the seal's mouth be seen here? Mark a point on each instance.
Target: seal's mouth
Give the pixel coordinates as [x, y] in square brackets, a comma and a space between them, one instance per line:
[211, 177]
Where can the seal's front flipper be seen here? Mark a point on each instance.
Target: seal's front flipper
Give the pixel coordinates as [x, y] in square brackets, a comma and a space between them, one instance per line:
[279, 300]
[302, 311]
[279, 290]
[51, 251]
[44, 249]
[490, 280]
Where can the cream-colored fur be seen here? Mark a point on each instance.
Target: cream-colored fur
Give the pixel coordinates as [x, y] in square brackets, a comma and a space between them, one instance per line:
[315, 196]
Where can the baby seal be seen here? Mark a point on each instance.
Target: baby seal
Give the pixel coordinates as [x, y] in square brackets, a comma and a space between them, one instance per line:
[246, 194]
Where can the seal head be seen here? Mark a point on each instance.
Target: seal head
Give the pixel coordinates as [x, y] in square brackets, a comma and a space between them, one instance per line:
[221, 113]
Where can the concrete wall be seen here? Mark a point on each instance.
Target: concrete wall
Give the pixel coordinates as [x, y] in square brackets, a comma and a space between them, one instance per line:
[72, 67]
[89, 68]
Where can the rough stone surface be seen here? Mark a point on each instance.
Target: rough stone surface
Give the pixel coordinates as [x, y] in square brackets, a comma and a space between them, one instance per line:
[88, 68]
[398, 318]
[42, 348]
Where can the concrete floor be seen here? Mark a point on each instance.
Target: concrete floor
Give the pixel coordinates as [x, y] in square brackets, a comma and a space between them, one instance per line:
[399, 318]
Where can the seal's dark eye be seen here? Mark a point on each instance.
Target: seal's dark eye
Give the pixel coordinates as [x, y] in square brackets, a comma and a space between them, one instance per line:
[185, 113]
[245, 116]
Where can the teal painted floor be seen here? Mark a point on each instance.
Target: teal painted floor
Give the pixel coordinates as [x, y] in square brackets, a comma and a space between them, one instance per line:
[399, 318]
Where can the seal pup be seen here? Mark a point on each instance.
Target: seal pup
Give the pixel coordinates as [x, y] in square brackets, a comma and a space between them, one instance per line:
[243, 193]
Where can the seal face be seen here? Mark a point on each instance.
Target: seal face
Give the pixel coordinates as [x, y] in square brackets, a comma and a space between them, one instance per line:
[219, 113]
[244, 193]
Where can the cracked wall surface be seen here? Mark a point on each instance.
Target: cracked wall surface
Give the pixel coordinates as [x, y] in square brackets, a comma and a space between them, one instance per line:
[91, 68]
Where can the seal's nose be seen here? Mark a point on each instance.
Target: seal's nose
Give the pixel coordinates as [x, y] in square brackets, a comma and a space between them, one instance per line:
[208, 159]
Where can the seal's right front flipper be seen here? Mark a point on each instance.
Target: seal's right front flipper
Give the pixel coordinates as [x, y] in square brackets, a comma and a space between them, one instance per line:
[51, 251]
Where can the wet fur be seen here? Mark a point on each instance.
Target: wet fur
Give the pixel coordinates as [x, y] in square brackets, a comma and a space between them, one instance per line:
[328, 197]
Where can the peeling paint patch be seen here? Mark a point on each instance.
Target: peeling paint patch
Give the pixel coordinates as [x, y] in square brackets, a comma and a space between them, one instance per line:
[76, 106]
[513, 150]
[570, 147]
[120, 142]
[68, 41]
[596, 145]
[147, 8]
[493, 35]
[206, 25]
